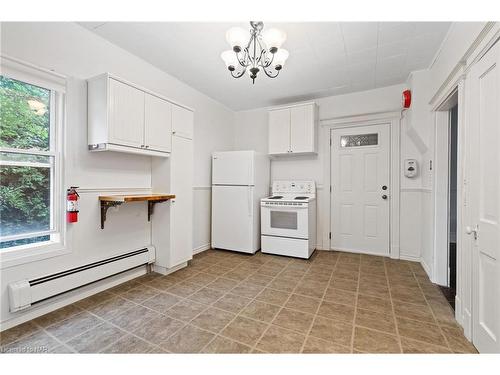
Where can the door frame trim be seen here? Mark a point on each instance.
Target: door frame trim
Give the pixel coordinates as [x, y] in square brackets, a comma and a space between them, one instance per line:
[463, 298]
[393, 119]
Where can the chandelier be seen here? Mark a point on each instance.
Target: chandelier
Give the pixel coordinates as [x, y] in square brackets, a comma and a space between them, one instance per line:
[262, 51]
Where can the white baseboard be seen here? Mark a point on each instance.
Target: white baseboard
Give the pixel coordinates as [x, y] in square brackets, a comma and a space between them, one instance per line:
[467, 324]
[458, 311]
[166, 271]
[202, 248]
[70, 297]
[410, 258]
[426, 268]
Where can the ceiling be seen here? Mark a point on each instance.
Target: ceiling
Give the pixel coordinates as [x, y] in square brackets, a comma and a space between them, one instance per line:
[326, 58]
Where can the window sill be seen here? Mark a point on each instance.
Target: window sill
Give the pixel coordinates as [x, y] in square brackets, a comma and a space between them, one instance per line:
[31, 253]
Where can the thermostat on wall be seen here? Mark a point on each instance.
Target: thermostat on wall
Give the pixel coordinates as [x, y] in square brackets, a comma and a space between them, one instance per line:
[411, 168]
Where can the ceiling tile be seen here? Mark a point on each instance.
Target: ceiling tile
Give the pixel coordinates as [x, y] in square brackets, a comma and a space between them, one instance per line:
[326, 58]
[392, 49]
[390, 66]
[398, 33]
[363, 57]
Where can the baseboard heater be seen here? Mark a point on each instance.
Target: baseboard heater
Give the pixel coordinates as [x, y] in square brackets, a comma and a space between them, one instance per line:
[26, 293]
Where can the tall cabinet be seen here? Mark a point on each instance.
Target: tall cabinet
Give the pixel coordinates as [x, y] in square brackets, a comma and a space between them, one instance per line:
[172, 228]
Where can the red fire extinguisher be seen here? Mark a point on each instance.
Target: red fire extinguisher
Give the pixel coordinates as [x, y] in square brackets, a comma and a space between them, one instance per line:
[72, 204]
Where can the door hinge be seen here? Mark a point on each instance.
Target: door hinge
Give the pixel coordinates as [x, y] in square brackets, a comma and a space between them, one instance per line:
[330, 141]
[331, 188]
[330, 235]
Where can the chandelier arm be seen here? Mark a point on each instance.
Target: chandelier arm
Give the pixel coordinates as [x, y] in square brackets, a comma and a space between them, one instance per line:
[263, 52]
[242, 61]
[270, 61]
[238, 75]
[270, 75]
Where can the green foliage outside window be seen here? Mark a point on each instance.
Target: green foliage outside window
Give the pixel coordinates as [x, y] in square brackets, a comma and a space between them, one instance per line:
[24, 190]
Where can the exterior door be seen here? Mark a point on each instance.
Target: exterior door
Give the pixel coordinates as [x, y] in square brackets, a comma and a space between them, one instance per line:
[157, 124]
[360, 189]
[484, 199]
[279, 131]
[126, 120]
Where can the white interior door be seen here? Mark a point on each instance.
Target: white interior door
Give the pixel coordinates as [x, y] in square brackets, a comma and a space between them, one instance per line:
[360, 203]
[485, 201]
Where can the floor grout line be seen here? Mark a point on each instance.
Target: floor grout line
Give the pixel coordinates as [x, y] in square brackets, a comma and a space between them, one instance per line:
[392, 309]
[281, 308]
[251, 268]
[319, 306]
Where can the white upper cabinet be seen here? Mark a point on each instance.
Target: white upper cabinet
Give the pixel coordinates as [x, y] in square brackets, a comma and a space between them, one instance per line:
[279, 131]
[157, 124]
[182, 122]
[126, 112]
[126, 118]
[292, 130]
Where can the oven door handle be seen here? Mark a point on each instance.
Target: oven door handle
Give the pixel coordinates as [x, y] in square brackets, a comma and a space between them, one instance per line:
[281, 208]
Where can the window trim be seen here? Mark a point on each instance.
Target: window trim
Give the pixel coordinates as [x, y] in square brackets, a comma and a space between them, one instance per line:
[56, 246]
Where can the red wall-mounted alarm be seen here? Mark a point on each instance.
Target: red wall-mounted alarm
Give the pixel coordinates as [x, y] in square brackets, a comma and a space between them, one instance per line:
[406, 99]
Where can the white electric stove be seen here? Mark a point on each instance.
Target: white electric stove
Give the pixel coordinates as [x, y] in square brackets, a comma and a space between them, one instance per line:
[288, 219]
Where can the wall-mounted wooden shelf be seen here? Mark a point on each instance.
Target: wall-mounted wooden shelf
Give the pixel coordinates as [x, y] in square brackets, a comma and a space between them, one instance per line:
[108, 201]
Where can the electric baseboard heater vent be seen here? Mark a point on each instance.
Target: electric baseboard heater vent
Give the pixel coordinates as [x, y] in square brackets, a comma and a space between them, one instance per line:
[25, 293]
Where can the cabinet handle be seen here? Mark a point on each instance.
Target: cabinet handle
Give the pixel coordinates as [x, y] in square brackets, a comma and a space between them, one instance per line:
[146, 146]
[142, 146]
[174, 132]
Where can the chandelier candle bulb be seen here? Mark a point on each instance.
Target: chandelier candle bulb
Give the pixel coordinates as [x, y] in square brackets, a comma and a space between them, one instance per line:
[280, 57]
[230, 58]
[273, 38]
[260, 52]
[237, 38]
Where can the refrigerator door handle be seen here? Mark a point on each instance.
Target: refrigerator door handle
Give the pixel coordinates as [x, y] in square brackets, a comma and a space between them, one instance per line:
[249, 199]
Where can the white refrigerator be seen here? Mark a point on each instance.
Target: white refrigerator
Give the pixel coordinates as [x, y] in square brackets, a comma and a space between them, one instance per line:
[239, 180]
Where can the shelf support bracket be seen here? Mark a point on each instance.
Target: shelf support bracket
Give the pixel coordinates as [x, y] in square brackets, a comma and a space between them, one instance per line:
[105, 205]
[151, 205]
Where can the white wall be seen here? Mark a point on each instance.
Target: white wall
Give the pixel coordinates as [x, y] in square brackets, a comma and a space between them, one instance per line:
[69, 49]
[251, 133]
[425, 86]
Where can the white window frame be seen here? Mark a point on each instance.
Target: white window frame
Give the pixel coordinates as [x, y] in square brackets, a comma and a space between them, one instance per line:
[56, 246]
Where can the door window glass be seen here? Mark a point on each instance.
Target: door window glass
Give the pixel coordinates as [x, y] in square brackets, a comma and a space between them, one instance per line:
[359, 140]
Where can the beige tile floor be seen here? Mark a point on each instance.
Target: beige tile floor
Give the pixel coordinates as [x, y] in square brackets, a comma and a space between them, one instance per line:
[225, 302]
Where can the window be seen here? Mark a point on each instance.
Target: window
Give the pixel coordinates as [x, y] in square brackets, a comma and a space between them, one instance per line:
[359, 140]
[30, 208]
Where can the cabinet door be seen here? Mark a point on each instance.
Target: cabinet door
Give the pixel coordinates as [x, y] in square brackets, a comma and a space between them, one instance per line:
[302, 129]
[181, 218]
[279, 131]
[157, 124]
[126, 115]
[182, 122]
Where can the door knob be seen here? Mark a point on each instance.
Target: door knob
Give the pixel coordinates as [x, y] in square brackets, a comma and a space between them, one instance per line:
[384, 187]
[384, 196]
[470, 230]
